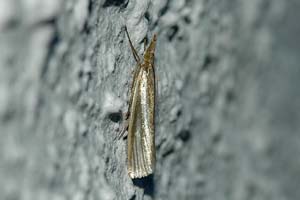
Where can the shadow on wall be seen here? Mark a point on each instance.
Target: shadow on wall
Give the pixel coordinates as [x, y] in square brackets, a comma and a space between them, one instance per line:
[147, 183]
[116, 3]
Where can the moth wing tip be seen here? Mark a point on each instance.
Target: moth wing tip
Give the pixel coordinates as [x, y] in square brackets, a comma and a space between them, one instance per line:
[134, 175]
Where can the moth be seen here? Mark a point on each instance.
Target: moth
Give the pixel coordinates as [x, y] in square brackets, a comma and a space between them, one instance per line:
[140, 138]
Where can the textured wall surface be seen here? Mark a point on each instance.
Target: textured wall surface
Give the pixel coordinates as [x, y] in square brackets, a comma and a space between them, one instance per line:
[228, 98]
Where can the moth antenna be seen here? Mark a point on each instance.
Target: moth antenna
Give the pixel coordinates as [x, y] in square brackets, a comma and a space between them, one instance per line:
[135, 55]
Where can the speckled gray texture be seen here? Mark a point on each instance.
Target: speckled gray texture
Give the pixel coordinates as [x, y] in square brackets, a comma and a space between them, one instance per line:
[228, 99]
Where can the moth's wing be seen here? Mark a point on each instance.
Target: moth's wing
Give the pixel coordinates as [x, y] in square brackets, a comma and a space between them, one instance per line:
[141, 150]
[135, 75]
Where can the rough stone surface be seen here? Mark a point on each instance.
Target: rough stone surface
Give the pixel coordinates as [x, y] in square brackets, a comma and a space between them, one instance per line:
[228, 98]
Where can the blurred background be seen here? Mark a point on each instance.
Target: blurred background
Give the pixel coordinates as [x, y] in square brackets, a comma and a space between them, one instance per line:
[227, 106]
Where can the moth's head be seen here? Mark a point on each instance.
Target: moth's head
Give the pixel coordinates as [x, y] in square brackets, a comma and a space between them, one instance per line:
[153, 42]
[151, 48]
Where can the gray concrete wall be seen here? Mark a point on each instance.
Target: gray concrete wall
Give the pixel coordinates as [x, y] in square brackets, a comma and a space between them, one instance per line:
[228, 98]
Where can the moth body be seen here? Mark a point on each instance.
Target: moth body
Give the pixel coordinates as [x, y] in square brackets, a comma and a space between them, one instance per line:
[141, 144]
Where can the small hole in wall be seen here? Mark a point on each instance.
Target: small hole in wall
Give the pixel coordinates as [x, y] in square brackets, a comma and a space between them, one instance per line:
[179, 113]
[90, 6]
[133, 197]
[187, 19]
[147, 16]
[115, 117]
[217, 138]
[208, 60]
[116, 3]
[184, 135]
[168, 150]
[172, 32]
[80, 74]
[230, 96]
[163, 10]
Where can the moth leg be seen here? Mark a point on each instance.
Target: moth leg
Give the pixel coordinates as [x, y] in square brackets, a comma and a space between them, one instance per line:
[135, 54]
[125, 124]
[145, 43]
[132, 71]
